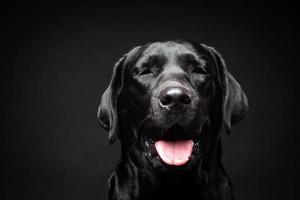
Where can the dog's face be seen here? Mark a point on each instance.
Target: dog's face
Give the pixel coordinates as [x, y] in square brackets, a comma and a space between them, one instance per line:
[172, 97]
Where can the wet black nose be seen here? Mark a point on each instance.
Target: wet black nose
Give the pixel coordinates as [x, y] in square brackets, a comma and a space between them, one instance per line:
[174, 96]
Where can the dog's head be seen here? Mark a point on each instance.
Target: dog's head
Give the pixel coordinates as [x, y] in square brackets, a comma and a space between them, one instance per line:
[173, 98]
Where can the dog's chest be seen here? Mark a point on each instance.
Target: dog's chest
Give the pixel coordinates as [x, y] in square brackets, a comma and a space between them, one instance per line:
[175, 191]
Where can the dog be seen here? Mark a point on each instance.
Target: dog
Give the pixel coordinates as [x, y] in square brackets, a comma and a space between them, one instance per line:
[167, 103]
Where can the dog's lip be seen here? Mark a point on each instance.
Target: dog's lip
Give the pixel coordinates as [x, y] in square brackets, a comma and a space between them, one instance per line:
[172, 136]
[151, 142]
[153, 156]
[150, 146]
[180, 134]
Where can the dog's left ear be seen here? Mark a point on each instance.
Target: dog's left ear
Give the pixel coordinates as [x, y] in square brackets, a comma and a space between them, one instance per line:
[234, 102]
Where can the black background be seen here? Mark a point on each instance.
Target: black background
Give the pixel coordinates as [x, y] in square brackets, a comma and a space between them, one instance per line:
[58, 59]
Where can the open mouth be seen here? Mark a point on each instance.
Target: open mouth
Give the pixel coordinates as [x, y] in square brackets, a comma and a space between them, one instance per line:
[175, 147]
[176, 152]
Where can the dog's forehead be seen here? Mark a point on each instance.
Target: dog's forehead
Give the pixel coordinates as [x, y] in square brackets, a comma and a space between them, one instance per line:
[170, 50]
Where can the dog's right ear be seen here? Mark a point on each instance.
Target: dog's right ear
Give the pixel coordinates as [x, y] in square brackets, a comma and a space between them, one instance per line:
[107, 111]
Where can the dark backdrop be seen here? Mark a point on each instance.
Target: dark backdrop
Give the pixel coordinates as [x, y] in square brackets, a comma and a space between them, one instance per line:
[58, 60]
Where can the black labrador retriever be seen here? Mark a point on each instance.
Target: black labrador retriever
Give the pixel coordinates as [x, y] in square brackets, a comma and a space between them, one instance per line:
[167, 102]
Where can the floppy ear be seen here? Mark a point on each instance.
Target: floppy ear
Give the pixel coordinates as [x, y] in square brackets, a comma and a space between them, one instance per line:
[234, 102]
[107, 111]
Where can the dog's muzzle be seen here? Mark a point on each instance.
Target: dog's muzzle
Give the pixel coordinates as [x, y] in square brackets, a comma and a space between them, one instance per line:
[175, 110]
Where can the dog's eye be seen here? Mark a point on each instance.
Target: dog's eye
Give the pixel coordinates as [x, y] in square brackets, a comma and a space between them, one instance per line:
[145, 71]
[199, 70]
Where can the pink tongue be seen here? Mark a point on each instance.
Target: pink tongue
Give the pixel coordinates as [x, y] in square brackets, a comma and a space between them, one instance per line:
[174, 152]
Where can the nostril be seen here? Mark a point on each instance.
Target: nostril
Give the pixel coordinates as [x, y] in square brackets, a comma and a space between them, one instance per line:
[185, 99]
[166, 100]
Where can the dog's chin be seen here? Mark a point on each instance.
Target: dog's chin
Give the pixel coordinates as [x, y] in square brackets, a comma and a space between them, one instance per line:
[174, 149]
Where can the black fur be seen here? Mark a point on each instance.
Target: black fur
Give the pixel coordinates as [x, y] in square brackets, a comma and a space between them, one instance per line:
[130, 111]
